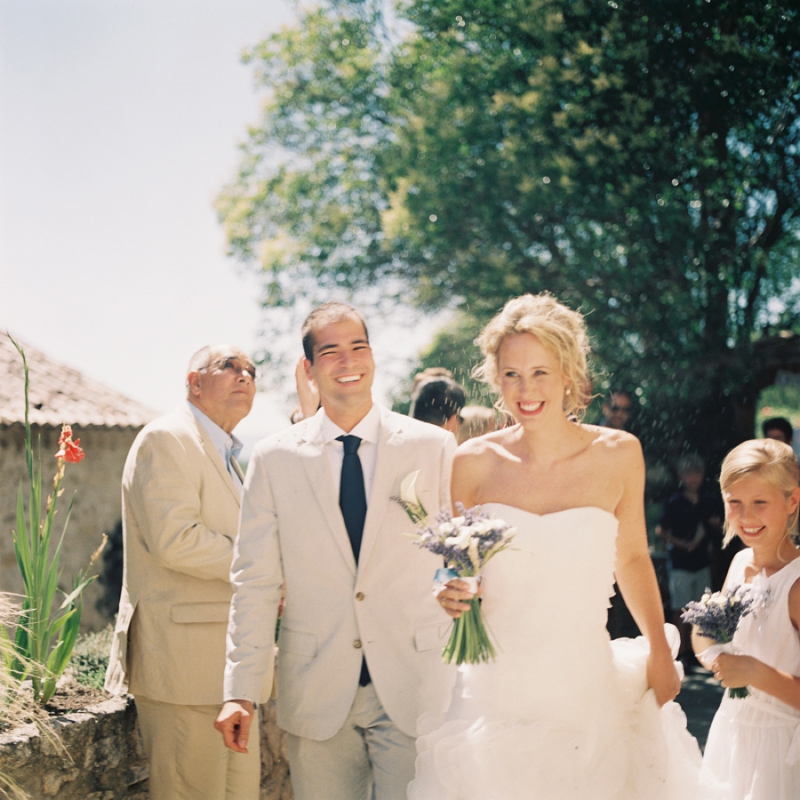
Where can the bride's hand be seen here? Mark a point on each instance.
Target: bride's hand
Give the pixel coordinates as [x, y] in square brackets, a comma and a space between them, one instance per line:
[454, 597]
[662, 677]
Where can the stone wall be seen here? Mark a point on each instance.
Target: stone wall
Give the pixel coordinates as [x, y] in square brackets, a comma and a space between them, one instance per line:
[97, 508]
[275, 781]
[102, 757]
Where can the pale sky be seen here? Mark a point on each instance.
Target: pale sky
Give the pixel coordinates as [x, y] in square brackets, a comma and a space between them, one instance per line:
[119, 124]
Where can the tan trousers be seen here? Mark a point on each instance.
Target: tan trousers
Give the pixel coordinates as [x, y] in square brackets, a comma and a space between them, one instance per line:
[188, 760]
[368, 759]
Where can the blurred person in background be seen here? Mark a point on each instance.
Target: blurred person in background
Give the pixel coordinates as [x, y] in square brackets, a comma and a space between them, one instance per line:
[439, 401]
[692, 517]
[617, 409]
[778, 428]
[427, 374]
[476, 421]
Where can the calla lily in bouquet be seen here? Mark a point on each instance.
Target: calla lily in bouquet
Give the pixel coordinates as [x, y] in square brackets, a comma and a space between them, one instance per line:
[717, 616]
[466, 543]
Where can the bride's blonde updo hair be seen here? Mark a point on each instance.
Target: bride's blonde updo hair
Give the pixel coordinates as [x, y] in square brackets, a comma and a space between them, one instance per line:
[773, 462]
[557, 327]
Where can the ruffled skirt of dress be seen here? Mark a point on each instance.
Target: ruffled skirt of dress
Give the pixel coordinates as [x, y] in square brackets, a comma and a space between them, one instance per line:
[752, 751]
[607, 741]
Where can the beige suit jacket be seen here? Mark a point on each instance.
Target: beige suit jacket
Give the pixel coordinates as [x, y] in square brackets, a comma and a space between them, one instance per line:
[336, 612]
[180, 510]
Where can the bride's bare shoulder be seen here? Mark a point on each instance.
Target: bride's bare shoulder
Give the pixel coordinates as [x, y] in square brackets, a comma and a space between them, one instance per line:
[482, 454]
[488, 447]
[475, 463]
[611, 443]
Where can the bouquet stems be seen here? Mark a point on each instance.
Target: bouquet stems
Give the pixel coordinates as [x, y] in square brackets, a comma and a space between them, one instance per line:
[469, 641]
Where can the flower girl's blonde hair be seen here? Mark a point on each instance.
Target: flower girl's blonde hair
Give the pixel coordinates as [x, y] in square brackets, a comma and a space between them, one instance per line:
[557, 327]
[773, 462]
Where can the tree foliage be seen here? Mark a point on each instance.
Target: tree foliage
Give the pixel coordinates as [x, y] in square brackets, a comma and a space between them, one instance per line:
[637, 159]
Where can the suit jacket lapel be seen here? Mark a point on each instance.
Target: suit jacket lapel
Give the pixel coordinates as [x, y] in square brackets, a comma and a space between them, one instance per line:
[312, 455]
[383, 483]
[212, 454]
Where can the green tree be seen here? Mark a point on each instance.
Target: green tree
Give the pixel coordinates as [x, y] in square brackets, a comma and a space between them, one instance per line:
[637, 159]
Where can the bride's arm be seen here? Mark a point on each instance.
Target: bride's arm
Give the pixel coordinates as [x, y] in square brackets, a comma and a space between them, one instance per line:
[635, 574]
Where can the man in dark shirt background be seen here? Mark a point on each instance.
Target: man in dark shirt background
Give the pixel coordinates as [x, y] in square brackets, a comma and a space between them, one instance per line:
[691, 519]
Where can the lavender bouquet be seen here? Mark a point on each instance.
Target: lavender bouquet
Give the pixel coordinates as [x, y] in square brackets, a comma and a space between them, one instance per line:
[717, 616]
[466, 543]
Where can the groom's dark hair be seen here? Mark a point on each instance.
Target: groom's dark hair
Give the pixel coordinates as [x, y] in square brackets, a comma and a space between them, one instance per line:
[324, 315]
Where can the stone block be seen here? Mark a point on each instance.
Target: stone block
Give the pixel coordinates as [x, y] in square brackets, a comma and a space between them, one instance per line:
[53, 781]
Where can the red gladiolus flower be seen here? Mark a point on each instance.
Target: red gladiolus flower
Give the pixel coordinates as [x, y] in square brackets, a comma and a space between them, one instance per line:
[74, 453]
[66, 434]
[69, 450]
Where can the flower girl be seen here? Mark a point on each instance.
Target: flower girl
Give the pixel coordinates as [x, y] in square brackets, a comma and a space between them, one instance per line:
[753, 747]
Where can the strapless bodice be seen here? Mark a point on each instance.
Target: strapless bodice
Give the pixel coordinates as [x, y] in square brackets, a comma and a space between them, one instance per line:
[562, 561]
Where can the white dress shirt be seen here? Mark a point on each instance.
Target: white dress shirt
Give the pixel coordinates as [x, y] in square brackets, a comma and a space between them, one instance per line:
[367, 430]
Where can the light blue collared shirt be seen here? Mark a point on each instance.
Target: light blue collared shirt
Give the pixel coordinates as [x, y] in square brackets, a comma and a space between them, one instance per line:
[226, 444]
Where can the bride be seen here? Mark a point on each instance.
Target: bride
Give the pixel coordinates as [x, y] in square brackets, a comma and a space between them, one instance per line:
[562, 713]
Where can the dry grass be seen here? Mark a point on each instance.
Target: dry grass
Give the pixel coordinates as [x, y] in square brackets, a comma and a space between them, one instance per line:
[17, 706]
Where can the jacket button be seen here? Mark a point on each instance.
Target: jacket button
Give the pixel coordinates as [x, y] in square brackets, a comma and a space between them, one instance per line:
[357, 644]
[359, 595]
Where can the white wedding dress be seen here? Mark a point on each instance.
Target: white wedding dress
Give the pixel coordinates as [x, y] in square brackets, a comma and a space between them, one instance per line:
[562, 713]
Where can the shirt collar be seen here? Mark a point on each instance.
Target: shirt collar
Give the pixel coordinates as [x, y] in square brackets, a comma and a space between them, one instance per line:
[367, 429]
[225, 444]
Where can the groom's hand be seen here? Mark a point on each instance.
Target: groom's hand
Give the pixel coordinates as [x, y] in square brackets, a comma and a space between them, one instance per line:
[233, 723]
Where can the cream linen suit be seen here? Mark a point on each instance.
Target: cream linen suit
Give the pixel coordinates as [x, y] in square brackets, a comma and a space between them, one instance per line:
[180, 509]
[336, 612]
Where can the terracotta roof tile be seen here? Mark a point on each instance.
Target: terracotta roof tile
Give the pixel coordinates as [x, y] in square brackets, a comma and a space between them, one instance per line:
[60, 394]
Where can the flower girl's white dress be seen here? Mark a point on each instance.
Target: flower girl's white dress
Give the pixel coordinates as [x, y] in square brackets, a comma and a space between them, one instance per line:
[561, 714]
[753, 746]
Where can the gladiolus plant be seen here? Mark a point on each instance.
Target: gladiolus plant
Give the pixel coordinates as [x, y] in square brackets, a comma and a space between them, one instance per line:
[45, 635]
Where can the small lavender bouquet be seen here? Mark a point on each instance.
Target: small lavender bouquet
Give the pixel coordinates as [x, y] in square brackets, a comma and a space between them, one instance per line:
[717, 616]
[466, 543]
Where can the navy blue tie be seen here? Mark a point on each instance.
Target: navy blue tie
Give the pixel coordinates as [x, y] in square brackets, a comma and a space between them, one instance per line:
[353, 502]
[352, 497]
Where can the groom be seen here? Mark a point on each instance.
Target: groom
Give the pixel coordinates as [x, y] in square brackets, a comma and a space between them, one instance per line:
[359, 656]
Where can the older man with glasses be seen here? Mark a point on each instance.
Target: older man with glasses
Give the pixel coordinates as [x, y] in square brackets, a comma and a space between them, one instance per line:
[181, 491]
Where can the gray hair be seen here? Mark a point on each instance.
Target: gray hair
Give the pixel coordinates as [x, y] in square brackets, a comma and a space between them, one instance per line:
[199, 361]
